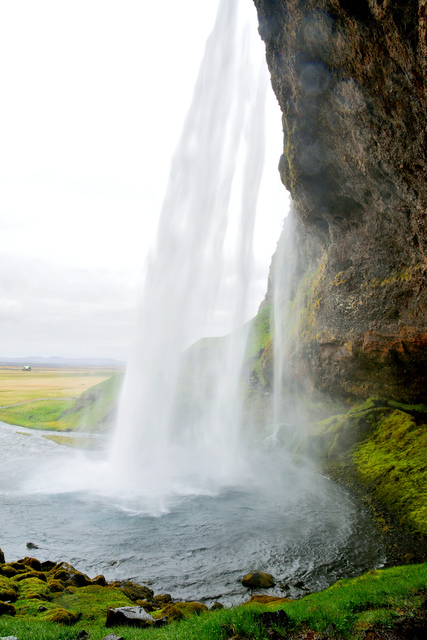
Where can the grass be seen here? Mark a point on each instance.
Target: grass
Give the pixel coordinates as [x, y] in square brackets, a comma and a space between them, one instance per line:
[41, 414]
[351, 606]
[71, 399]
[23, 386]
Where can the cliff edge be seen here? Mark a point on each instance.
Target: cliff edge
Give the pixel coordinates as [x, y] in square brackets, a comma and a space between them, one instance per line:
[350, 77]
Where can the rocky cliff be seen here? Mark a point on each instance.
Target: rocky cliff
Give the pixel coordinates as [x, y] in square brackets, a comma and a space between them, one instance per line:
[350, 77]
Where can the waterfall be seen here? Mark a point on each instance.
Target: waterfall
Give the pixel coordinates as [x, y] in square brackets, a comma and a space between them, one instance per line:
[172, 440]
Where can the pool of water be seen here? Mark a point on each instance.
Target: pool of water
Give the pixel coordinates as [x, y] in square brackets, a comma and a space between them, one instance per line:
[283, 519]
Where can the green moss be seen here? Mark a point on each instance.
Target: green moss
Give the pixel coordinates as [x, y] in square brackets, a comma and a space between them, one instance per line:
[384, 448]
[92, 601]
[393, 463]
[75, 443]
[8, 589]
[33, 588]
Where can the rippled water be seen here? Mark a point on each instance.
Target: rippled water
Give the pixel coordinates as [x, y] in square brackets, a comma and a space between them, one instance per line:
[286, 520]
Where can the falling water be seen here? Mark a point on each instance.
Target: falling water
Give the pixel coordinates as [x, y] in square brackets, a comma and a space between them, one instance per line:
[156, 449]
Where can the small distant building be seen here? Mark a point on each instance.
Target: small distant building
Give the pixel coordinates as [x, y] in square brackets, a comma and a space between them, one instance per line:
[26, 367]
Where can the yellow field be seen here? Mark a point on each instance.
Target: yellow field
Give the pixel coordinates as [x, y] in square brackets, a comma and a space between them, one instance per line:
[47, 382]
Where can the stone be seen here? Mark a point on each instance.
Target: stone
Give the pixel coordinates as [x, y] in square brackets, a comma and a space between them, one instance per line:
[41, 609]
[128, 616]
[100, 580]
[217, 606]
[7, 609]
[62, 616]
[258, 580]
[33, 563]
[134, 591]
[83, 635]
[2, 560]
[112, 636]
[8, 638]
[172, 613]
[161, 600]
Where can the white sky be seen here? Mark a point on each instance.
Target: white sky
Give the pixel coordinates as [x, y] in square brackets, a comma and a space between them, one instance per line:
[94, 93]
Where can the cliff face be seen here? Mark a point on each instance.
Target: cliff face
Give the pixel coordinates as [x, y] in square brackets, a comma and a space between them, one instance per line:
[350, 77]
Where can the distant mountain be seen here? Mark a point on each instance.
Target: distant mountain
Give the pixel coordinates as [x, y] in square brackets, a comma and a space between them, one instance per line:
[65, 362]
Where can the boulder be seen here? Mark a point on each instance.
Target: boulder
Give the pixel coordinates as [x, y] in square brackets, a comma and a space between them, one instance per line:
[33, 563]
[258, 580]
[100, 581]
[2, 560]
[172, 613]
[217, 606]
[162, 600]
[7, 609]
[128, 616]
[30, 574]
[112, 636]
[134, 591]
[62, 616]
[188, 608]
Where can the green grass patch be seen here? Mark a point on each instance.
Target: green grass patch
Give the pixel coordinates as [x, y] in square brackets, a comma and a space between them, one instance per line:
[95, 409]
[42, 414]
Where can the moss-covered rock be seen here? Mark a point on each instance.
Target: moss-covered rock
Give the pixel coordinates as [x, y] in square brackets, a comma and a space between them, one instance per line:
[258, 580]
[62, 616]
[134, 591]
[170, 612]
[33, 588]
[92, 601]
[191, 608]
[7, 609]
[8, 589]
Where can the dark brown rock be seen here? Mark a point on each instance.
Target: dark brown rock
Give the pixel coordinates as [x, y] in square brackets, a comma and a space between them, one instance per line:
[351, 81]
[2, 559]
[33, 563]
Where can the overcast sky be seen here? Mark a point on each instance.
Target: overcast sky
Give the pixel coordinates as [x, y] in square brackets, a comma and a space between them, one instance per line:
[94, 94]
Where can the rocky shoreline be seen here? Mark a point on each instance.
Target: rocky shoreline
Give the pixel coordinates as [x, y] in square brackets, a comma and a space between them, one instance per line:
[57, 592]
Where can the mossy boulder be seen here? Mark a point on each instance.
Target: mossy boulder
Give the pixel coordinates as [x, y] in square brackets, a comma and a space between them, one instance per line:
[171, 612]
[68, 575]
[134, 591]
[92, 601]
[217, 606]
[161, 600]
[62, 616]
[7, 609]
[29, 574]
[258, 580]
[56, 586]
[33, 588]
[2, 558]
[8, 590]
[12, 569]
[33, 563]
[191, 608]
[100, 581]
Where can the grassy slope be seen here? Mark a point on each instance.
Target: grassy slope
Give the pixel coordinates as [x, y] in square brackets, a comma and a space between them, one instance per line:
[92, 411]
[382, 445]
[352, 606]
